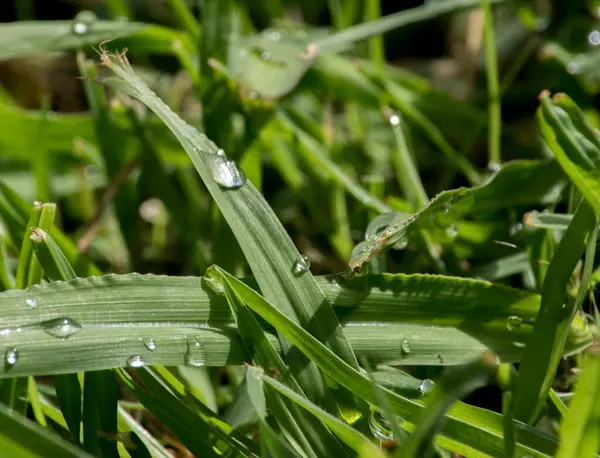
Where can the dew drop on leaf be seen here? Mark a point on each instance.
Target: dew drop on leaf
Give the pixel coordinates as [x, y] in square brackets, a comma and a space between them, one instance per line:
[136, 361]
[225, 172]
[61, 327]
[82, 23]
[31, 302]
[513, 322]
[301, 266]
[150, 344]
[405, 347]
[195, 354]
[426, 386]
[380, 427]
[11, 357]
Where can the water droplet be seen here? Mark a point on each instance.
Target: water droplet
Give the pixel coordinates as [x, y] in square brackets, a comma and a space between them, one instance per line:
[226, 173]
[401, 244]
[61, 327]
[82, 23]
[394, 120]
[405, 347]
[265, 55]
[515, 229]
[494, 167]
[136, 361]
[513, 322]
[275, 35]
[150, 344]
[31, 302]
[426, 386]
[301, 266]
[214, 285]
[573, 68]
[380, 427]
[444, 218]
[220, 152]
[11, 357]
[594, 38]
[452, 230]
[195, 354]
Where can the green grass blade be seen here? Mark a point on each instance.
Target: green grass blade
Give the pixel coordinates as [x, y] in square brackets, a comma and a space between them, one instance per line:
[542, 356]
[483, 434]
[456, 383]
[257, 230]
[360, 32]
[554, 221]
[7, 278]
[152, 444]
[49, 255]
[274, 443]
[346, 433]
[579, 429]
[25, 37]
[68, 392]
[316, 440]
[20, 437]
[573, 141]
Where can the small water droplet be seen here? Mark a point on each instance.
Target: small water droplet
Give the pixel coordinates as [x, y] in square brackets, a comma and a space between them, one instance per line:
[394, 120]
[275, 35]
[401, 244]
[594, 38]
[195, 354]
[513, 322]
[31, 302]
[426, 386]
[11, 357]
[226, 173]
[220, 152]
[444, 218]
[265, 55]
[82, 23]
[136, 361]
[494, 167]
[150, 344]
[405, 347]
[515, 229]
[61, 327]
[214, 285]
[301, 266]
[380, 427]
[573, 68]
[452, 230]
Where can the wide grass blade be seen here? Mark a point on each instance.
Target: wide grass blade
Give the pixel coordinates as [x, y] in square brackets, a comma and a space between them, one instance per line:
[580, 429]
[23, 38]
[20, 437]
[276, 263]
[542, 355]
[475, 429]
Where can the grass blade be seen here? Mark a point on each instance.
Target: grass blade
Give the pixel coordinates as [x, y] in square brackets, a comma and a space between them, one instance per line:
[257, 229]
[542, 356]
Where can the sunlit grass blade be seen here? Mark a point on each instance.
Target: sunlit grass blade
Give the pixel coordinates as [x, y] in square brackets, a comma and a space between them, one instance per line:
[573, 141]
[20, 437]
[257, 230]
[475, 429]
[456, 383]
[580, 429]
[542, 356]
[554, 221]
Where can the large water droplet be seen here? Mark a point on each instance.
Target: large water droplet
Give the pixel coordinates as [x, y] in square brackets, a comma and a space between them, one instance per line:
[226, 173]
[401, 244]
[136, 361]
[11, 357]
[426, 386]
[195, 354]
[394, 120]
[300, 266]
[594, 38]
[214, 285]
[150, 344]
[82, 23]
[31, 302]
[405, 347]
[513, 322]
[61, 327]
